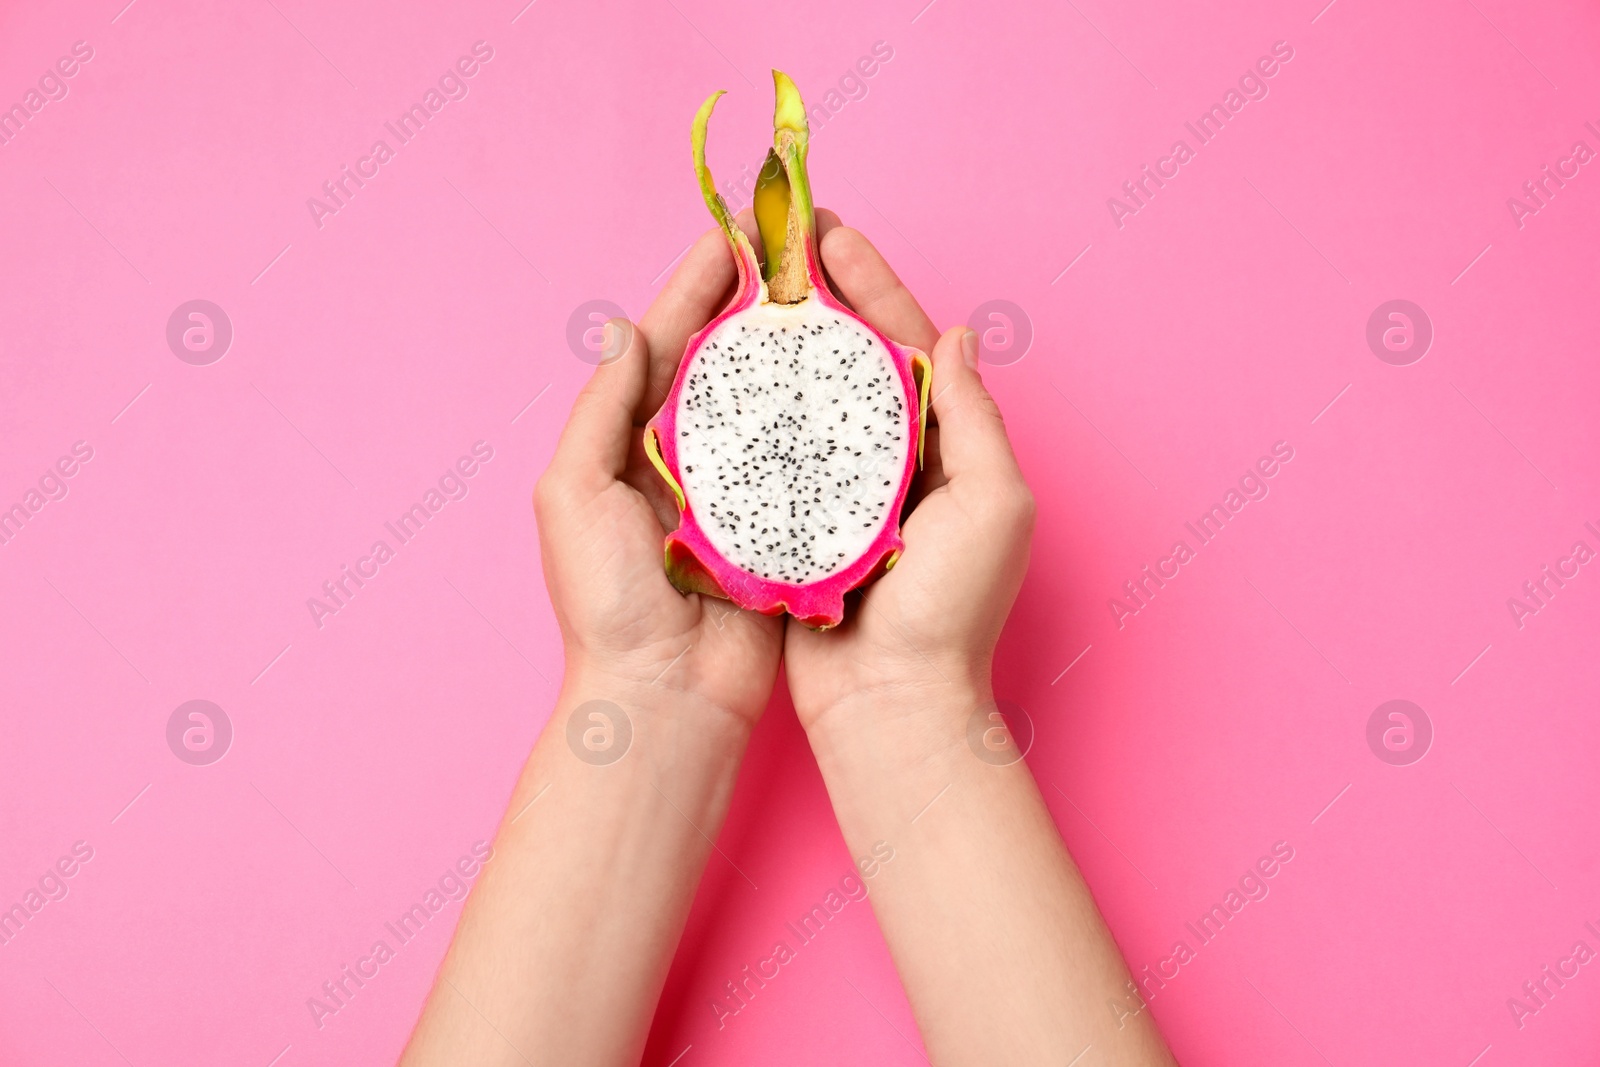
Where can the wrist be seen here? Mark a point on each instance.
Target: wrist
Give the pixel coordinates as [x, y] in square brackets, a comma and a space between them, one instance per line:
[731, 670]
[902, 723]
[672, 719]
[890, 757]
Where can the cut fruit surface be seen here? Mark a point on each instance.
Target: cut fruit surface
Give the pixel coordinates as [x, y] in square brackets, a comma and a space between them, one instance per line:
[799, 471]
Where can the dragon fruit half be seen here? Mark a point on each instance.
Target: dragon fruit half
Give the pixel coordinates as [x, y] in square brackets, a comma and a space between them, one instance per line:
[793, 428]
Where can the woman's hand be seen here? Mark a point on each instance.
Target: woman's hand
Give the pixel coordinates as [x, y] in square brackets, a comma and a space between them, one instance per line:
[603, 514]
[925, 632]
[1003, 954]
[565, 943]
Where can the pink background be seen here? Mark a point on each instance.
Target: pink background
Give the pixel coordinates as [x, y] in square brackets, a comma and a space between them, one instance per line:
[426, 315]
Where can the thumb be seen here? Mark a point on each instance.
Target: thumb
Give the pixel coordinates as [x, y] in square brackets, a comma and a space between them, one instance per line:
[596, 440]
[972, 435]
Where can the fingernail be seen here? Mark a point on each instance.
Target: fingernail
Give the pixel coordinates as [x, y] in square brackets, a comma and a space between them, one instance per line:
[614, 337]
[969, 348]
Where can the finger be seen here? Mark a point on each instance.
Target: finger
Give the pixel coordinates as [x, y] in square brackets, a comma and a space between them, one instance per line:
[972, 435]
[641, 476]
[746, 221]
[594, 445]
[826, 220]
[695, 292]
[932, 474]
[866, 280]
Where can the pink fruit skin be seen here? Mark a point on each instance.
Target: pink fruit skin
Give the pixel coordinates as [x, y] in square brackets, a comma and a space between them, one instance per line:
[691, 559]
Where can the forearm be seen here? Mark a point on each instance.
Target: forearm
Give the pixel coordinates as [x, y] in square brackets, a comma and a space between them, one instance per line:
[998, 942]
[566, 941]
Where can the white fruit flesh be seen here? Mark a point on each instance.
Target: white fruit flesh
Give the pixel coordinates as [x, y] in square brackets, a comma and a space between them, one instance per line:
[793, 439]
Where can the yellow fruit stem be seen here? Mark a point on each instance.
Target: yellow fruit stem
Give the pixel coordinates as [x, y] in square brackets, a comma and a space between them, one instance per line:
[783, 208]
